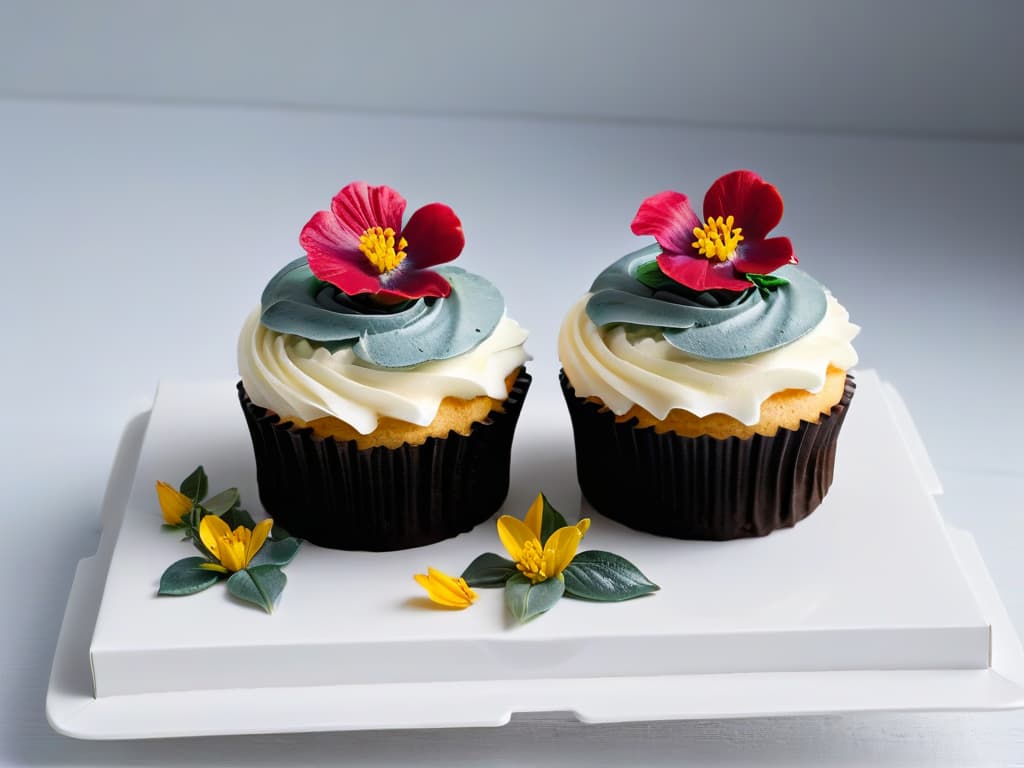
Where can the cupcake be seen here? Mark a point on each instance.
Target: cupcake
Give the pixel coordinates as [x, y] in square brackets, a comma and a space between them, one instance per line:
[381, 394]
[707, 378]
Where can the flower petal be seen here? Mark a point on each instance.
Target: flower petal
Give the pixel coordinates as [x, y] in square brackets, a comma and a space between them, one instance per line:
[352, 277]
[670, 218]
[331, 238]
[561, 549]
[445, 590]
[583, 526]
[259, 535]
[325, 236]
[437, 595]
[174, 505]
[407, 283]
[534, 519]
[763, 256]
[756, 204]
[702, 274]
[358, 207]
[455, 588]
[434, 236]
[213, 530]
[214, 567]
[514, 534]
[232, 549]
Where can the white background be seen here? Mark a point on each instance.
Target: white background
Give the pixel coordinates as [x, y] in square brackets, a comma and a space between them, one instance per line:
[158, 160]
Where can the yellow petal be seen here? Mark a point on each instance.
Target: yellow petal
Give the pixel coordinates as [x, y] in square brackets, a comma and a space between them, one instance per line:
[213, 567]
[232, 549]
[454, 588]
[561, 549]
[211, 531]
[174, 505]
[514, 534]
[259, 535]
[446, 590]
[535, 516]
[583, 526]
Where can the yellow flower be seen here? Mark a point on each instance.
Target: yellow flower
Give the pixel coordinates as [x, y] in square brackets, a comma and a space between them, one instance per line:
[446, 590]
[233, 549]
[540, 562]
[173, 504]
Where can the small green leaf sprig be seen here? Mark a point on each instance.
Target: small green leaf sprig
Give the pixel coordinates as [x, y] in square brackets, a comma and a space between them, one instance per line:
[545, 565]
[232, 545]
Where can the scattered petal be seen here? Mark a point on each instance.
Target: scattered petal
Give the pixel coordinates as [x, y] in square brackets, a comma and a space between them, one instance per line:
[174, 505]
[449, 591]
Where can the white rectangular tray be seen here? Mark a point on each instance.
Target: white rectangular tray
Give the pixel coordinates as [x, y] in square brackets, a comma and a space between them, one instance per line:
[858, 616]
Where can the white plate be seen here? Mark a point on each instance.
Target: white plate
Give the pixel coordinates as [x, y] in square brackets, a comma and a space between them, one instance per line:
[492, 699]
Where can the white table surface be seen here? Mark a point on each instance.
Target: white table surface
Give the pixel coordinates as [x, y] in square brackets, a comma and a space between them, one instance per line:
[135, 238]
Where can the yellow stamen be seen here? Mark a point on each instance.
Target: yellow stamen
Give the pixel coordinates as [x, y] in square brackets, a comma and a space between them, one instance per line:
[531, 562]
[378, 245]
[717, 238]
[233, 549]
[539, 562]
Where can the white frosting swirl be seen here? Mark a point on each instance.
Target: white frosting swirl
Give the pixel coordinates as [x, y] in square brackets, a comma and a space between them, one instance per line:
[294, 377]
[626, 365]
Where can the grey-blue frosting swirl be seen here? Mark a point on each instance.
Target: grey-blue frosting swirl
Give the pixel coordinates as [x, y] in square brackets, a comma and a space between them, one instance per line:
[296, 301]
[702, 324]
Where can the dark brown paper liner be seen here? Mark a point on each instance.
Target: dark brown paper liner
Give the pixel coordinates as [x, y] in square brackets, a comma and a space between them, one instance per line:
[702, 487]
[381, 499]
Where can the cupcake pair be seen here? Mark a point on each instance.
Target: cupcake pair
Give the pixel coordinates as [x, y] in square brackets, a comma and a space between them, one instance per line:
[706, 379]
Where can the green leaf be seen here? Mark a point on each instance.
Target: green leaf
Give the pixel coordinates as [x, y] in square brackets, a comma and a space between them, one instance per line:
[650, 274]
[237, 516]
[185, 577]
[606, 577]
[222, 502]
[260, 585]
[489, 570]
[277, 553]
[277, 533]
[767, 283]
[525, 600]
[551, 520]
[195, 485]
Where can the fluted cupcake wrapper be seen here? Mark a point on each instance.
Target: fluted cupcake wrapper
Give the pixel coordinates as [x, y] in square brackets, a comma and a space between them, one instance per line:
[702, 487]
[333, 494]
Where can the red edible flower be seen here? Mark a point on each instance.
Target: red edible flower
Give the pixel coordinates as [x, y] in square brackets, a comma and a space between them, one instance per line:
[360, 245]
[740, 208]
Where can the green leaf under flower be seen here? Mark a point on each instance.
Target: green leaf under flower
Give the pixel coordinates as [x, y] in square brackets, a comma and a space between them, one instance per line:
[185, 577]
[260, 585]
[278, 533]
[650, 274]
[276, 552]
[525, 600]
[237, 516]
[196, 485]
[551, 520]
[767, 283]
[605, 577]
[222, 502]
[489, 570]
